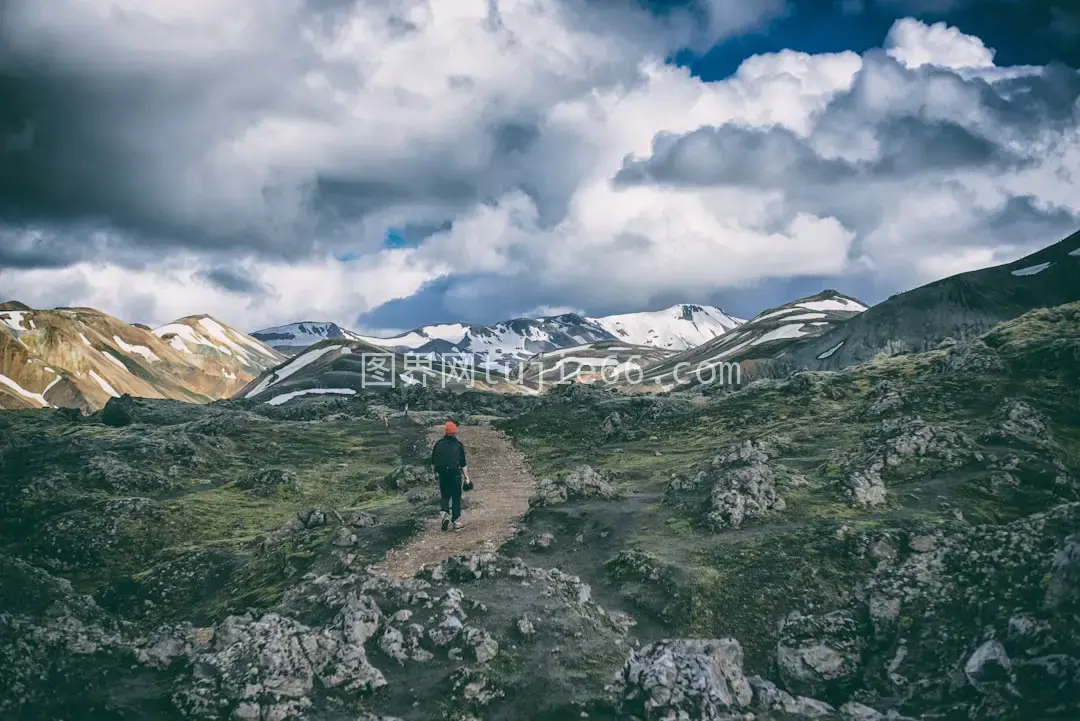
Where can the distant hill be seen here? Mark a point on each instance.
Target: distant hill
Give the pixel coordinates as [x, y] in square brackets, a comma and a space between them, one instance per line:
[961, 306]
[587, 363]
[81, 357]
[766, 335]
[339, 367]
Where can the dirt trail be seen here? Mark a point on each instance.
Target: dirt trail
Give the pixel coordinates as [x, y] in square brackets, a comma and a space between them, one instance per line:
[502, 487]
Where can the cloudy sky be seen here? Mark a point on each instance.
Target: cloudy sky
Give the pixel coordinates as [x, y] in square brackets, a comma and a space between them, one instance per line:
[388, 163]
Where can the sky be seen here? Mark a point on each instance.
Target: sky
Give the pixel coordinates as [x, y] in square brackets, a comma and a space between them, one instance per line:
[390, 163]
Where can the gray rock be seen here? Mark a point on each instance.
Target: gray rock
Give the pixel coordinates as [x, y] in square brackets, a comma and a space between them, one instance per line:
[972, 356]
[269, 667]
[292, 526]
[852, 711]
[582, 482]
[268, 482]
[767, 697]
[483, 645]
[817, 654]
[989, 669]
[343, 538]
[741, 481]
[392, 644]
[543, 541]
[1023, 423]
[312, 517]
[886, 400]
[446, 632]
[903, 440]
[474, 687]
[406, 477]
[526, 627]
[1063, 590]
[684, 679]
[362, 519]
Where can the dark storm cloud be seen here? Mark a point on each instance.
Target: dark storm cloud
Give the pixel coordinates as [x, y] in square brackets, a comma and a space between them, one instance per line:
[774, 157]
[233, 280]
[101, 130]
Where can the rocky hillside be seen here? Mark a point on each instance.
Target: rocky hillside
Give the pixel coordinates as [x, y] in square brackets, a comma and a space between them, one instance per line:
[962, 306]
[767, 335]
[349, 368]
[896, 540]
[80, 357]
[901, 534]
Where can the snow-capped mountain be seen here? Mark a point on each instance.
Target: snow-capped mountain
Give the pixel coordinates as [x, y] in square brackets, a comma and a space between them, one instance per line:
[201, 335]
[294, 337]
[676, 328]
[502, 346]
[81, 357]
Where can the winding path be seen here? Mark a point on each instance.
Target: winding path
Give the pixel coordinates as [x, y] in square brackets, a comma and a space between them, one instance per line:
[500, 497]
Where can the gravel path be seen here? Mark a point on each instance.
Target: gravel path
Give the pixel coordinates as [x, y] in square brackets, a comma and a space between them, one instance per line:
[500, 497]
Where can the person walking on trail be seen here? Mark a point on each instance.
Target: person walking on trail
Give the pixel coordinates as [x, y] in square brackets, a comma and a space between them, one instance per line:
[448, 460]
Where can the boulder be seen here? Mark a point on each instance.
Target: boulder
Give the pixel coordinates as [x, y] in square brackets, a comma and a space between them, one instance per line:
[684, 679]
[582, 482]
[819, 655]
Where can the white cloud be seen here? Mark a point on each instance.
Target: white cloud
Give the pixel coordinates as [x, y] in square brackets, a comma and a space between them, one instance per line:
[915, 44]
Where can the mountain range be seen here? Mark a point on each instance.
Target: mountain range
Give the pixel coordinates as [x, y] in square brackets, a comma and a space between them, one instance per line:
[504, 345]
[80, 357]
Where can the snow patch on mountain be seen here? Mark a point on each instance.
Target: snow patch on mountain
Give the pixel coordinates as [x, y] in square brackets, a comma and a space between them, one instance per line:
[140, 350]
[829, 352]
[286, 397]
[116, 361]
[104, 384]
[1032, 269]
[836, 303]
[793, 330]
[38, 398]
[13, 319]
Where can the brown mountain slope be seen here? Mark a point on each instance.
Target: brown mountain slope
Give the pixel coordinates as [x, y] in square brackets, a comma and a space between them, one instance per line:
[80, 357]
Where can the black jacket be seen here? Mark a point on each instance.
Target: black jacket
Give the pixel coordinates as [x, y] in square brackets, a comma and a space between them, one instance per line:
[448, 452]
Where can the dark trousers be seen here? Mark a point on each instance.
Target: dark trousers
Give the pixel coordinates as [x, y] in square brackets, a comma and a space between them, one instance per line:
[450, 488]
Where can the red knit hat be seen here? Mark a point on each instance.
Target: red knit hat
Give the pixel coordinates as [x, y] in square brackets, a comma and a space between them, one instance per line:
[451, 428]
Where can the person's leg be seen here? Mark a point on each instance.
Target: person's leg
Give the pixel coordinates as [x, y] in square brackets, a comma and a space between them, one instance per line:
[456, 500]
[446, 492]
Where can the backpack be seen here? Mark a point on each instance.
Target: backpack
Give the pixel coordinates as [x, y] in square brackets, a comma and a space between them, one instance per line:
[446, 455]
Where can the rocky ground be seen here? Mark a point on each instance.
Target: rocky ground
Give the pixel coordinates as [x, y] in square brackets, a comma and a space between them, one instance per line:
[900, 539]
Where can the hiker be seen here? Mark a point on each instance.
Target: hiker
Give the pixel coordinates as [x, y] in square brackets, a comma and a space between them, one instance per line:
[448, 460]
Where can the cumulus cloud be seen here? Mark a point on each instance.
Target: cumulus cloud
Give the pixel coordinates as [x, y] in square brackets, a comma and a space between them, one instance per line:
[935, 160]
[223, 158]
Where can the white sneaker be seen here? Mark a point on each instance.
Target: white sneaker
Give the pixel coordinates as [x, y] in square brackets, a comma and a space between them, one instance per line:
[445, 520]
[458, 525]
